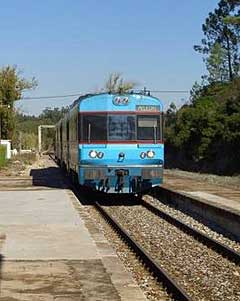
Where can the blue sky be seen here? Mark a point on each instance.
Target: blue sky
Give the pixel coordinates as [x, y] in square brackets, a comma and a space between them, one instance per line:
[72, 46]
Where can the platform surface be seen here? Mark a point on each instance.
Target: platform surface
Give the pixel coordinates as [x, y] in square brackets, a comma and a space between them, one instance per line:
[48, 253]
[225, 197]
[43, 225]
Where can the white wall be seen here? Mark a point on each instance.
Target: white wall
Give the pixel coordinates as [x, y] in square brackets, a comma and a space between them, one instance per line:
[8, 145]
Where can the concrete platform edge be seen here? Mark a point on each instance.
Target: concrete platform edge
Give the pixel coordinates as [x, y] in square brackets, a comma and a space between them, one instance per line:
[120, 277]
[226, 219]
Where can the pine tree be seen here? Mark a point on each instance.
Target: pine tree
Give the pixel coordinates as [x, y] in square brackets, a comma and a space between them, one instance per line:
[235, 19]
[216, 30]
[217, 64]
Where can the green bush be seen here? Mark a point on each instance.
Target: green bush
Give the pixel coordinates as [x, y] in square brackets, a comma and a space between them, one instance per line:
[204, 134]
[2, 155]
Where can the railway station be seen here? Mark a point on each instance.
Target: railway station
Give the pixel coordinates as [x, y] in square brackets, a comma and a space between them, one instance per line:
[119, 151]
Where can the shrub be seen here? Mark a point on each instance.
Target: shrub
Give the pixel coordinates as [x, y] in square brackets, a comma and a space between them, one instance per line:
[2, 155]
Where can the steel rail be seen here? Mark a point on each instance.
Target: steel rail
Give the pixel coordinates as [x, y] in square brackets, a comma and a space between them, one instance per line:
[216, 245]
[171, 285]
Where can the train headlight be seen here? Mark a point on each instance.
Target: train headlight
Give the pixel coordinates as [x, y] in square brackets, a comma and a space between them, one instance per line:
[150, 154]
[100, 155]
[92, 154]
[143, 155]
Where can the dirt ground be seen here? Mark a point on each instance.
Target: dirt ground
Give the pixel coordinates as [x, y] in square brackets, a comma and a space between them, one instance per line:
[233, 181]
[55, 280]
[19, 165]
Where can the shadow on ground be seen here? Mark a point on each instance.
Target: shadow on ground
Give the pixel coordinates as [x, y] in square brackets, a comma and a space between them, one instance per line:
[52, 177]
[55, 177]
[1, 264]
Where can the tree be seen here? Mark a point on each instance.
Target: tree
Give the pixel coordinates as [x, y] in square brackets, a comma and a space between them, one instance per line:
[217, 64]
[234, 20]
[12, 85]
[52, 116]
[195, 92]
[170, 115]
[116, 84]
[27, 128]
[216, 30]
[204, 135]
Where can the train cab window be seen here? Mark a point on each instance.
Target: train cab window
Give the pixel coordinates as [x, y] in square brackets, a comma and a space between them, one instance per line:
[121, 127]
[148, 128]
[94, 128]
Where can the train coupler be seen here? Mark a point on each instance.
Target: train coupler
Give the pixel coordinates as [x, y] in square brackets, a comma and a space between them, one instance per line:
[120, 180]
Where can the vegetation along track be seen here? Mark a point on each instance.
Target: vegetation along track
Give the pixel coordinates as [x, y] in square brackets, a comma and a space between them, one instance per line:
[192, 265]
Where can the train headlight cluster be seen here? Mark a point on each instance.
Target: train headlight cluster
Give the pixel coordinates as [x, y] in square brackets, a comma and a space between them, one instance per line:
[93, 154]
[149, 154]
[100, 155]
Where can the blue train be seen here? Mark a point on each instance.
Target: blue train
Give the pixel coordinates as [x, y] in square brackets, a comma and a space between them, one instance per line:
[113, 142]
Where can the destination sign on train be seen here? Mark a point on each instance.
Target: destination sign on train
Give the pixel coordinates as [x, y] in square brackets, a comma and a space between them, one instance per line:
[148, 108]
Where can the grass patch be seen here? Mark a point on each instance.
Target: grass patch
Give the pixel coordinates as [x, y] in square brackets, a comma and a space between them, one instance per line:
[3, 159]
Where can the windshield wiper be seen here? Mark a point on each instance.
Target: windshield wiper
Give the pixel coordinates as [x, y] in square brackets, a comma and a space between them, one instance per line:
[155, 134]
[89, 132]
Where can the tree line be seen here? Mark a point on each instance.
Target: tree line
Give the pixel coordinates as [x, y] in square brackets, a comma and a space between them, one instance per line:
[26, 131]
[204, 134]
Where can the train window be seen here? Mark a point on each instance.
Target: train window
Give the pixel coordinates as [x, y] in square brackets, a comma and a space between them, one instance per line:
[121, 127]
[94, 128]
[148, 127]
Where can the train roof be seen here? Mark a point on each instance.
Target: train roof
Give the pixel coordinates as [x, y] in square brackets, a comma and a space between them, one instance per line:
[132, 93]
[142, 102]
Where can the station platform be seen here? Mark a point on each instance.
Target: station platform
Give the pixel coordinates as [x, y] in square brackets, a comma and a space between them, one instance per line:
[50, 250]
[222, 196]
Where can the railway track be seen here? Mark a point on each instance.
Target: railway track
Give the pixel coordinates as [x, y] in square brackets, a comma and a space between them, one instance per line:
[207, 240]
[174, 286]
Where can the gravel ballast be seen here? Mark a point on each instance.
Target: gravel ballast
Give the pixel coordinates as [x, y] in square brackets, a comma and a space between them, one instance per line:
[153, 290]
[192, 222]
[202, 272]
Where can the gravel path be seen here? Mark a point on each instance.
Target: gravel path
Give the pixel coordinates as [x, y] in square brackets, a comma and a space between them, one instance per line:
[204, 274]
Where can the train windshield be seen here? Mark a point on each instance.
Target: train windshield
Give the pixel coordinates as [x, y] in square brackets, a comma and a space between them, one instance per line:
[148, 127]
[121, 127]
[94, 128]
[118, 127]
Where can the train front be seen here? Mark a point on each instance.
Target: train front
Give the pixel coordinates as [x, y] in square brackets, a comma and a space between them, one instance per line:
[121, 146]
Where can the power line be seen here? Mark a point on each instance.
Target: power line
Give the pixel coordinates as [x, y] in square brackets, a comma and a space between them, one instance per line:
[78, 94]
[51, 96]
[169, 91]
